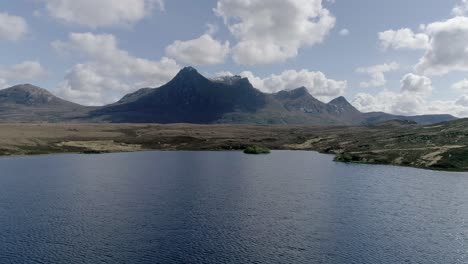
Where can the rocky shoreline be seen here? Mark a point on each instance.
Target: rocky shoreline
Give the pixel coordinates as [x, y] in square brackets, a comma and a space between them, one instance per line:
[436, 147]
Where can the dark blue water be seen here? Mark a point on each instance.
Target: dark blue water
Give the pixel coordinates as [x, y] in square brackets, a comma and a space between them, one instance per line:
[227, 207]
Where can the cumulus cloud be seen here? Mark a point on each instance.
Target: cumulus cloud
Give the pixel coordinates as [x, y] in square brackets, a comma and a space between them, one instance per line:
[405, 103]
[412, 99]
[377, 74]
[101, 13]
[445, 43]
[12, 27]
[110, 72]
[462, 101]
[273, 31]
[3, 84]
[316, 82]
[389, 102]
[201, 51]
[461, 86]
[416, 84]
[25, 71]
[403, 38]
[448, 49]
[223, 74]
[461, 9]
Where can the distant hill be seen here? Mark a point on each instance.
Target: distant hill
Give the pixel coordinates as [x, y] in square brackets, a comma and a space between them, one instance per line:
[29, 103]
[377, 117]
[192, 98]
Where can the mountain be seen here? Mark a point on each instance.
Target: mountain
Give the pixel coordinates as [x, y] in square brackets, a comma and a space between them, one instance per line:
[29, 103]
[191, 98]
[30, 95]
[188, 98]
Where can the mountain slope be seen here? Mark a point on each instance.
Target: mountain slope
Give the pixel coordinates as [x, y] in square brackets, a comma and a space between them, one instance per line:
[29, 103]
[188, 98]
[30, 95]
[192, 98]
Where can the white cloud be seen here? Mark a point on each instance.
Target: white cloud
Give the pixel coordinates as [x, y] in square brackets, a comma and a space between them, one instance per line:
[416, 84]
[390, 102]
[463, 101]
[110, 71]
[448, 50]
[461, 9]
[409, 104]
[3, 84]
[223, 74]
[25, 71]
[101, 13]
[211, 29]
[316, 82]
[201, 51]
[412, 99]
[403, 38]
[461, 86]
[344, 32]
[377, 74]
[273, 31]
[12, 27]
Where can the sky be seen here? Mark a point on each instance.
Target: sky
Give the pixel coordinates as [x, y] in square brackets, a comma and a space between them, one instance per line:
[401, 57]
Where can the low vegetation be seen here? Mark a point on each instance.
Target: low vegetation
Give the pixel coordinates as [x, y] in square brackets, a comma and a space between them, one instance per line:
[255, 149]
[440, 147]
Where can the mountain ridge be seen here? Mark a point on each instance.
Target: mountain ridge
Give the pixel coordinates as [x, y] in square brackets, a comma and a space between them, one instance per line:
[192, 98]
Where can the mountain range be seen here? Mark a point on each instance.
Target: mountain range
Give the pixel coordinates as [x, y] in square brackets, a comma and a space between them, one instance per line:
[192, 98]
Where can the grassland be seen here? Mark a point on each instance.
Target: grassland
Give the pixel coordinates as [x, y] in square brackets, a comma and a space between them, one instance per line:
[439, 147]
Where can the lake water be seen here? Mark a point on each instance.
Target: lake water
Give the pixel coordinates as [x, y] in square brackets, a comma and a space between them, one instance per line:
[227, 207]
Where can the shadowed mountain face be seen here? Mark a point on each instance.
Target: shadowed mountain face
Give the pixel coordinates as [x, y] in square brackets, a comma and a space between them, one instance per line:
[192, 98]
[188, 98]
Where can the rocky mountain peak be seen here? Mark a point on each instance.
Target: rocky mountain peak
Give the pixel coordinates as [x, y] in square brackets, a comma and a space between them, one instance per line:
[340, 101]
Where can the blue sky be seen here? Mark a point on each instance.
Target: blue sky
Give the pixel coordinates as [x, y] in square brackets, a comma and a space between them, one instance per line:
[95, 51]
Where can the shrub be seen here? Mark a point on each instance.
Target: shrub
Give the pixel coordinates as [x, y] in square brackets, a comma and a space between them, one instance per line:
[256, 150]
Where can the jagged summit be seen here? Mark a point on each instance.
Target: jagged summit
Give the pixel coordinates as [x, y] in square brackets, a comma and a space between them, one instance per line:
[341, 106]
[189, 69]
[300, 90]
[188, 72]
[188, 76]
[341, 100]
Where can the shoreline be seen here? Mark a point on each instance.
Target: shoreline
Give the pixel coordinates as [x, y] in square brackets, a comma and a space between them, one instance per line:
[223, 150]
[441, 147]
